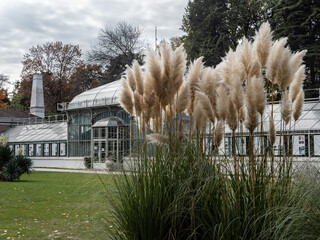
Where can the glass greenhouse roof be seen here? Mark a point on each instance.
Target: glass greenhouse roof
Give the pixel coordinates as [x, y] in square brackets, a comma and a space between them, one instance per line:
[38, 132]
[308, 121]
[104, 95]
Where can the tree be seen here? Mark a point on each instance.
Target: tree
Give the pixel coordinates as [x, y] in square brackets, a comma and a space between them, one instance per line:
[18, 101]
[300, 21]
[214, 26]
[86, 76]
[57, 62]
[117, 47]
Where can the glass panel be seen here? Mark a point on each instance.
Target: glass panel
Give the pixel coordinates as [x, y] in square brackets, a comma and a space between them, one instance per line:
[73, 149]
[103, 151]
[240, 146]
[85, 148]
[316, 145]
[31, 150]
[63, 149]
[16, 149]
[73, 132]
[259, 146]
[96, 152]
[84, 119]
[299, 146]
[112, 132]
[38, 150]
[54, 149]
[85, 132]
[96, 133]
[103, 133]
[46, 149]
[278, 146]
[24, 149]
[75, 119]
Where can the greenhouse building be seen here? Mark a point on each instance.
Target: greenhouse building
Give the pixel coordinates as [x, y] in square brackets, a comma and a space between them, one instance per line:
[95, 125]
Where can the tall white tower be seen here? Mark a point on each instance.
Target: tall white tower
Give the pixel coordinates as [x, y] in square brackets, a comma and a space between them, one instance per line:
[37, 101]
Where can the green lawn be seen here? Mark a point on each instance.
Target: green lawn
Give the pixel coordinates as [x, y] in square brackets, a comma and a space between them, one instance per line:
[47, 205]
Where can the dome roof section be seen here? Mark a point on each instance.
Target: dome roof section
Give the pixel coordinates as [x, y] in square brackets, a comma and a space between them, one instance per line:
[104, 95]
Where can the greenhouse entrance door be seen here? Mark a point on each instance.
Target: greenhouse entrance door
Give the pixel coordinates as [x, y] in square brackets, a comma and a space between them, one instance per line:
[99, 149]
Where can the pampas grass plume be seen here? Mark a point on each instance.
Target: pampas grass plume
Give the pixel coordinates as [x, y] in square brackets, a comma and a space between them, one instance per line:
[297, 82]
[183, 98]
[205, 103]
[272, 131]
[131, 79]
[232, 116]
[219, 133]
[297, 105]
[274, 58]
[199, 116]
[285, 107]
[284, 72]
[296, 60]
[138, 75]
[178, 66]
[194, 75]
[262, 43]
[222, 102]
[126, 97]
[138, 101]
[260, 96]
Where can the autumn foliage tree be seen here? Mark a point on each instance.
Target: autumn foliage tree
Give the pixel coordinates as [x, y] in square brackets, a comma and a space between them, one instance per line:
[3, 92]
[57, 62]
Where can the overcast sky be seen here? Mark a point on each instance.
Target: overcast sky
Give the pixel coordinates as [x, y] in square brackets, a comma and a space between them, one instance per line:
[27, 23]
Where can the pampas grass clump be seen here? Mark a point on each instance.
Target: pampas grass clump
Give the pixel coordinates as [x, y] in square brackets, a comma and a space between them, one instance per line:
[185, 186]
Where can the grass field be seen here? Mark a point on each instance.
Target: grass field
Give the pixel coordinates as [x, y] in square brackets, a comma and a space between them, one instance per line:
[47, 205]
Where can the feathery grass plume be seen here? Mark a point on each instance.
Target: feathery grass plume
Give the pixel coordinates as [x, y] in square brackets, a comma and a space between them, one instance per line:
[242, 114]
[153, 69]
[285, 107]
[138, 103]
[126, 97]
[272, 131]
[156, 108]
[194, 74]
[246, 55]
[237, 93]
[274, 58]
[222, 102]
[183, 98]
[138, 75]
[208, 85]
[219, 133]
[252, 114]
[170, 112]
[205, 103]
[232, 116]
[297, 105]
[260, 95]
[167, 93]
[157, 138]
[296, 60]
[178, 67]
[284, 72]
[148, 98]
[254, 69]
[297, 83]
[226, 67]
[262, 43]
[130, 78]
[199, 116]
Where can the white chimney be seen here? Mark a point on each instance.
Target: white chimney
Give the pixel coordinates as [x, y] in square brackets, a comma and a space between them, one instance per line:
[37, 102]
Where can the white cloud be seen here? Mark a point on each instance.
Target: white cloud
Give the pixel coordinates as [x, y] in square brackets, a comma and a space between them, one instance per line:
[26, 23]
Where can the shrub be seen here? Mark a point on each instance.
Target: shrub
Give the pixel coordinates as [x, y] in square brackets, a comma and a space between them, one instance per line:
[87, 162]
[11, 168]
[24, 164]
[6, 155]
[11, 171]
